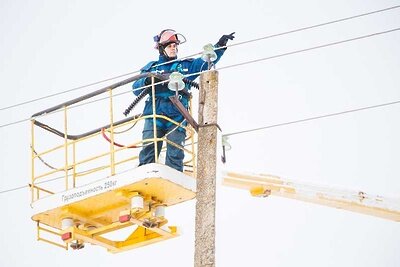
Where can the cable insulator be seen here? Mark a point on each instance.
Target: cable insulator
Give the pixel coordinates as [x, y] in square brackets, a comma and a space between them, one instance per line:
[147, 90]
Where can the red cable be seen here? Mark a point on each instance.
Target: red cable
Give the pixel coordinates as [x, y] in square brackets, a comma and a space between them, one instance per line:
[114, 143]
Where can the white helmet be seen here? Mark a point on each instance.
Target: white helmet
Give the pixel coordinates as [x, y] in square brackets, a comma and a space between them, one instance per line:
[168, 36]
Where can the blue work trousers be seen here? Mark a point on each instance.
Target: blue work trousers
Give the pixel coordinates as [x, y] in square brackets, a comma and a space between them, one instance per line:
[176, 135]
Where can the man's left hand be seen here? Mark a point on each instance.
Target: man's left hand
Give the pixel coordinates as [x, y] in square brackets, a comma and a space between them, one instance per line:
[224, 39]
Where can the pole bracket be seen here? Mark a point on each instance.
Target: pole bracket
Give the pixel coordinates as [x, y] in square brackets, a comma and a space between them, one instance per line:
[184, 112]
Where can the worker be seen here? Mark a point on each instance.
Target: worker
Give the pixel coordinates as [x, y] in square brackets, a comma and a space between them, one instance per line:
[167, 43]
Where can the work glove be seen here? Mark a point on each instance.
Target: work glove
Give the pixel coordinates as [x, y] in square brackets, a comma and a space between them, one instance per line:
[161, 77]
[224, 39]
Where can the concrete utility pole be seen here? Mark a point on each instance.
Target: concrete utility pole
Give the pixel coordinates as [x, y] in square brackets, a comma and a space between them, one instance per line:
[204, 255]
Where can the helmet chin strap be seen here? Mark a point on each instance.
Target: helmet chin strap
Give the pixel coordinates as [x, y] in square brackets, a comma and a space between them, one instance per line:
[161, 50]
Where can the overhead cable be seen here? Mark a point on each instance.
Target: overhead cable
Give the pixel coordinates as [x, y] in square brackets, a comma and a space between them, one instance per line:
[309, 49]
[313, 118]
[315, 26]
[14, 189]
[235, 65]
[236, 44]
[259, 129]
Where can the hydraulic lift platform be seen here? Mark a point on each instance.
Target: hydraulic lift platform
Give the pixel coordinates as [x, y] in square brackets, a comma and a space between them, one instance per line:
[137, 197]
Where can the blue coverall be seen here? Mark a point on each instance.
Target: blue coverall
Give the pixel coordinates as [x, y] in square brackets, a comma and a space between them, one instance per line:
[174, 156]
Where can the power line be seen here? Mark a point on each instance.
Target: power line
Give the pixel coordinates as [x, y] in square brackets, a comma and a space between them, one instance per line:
[317, 25]
[259, 129]
[87, 85]
[28, 186]
[309, 49]
[236, 44]
[280, 124]
[63, 92]
[53, 179]
[13, 189]
[236, 65]
[314, 118]
[14, 122]
[77, 105]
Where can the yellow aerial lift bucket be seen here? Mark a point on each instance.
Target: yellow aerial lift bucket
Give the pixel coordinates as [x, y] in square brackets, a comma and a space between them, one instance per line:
[90, 205]
[137, 197]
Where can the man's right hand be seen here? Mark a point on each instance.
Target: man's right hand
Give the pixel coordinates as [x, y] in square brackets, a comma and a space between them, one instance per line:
[159, 78]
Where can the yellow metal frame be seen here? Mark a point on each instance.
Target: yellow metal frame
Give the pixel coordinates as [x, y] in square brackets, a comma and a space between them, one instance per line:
[261, 185]
[140, 237]
[98, 215]
[49, 222]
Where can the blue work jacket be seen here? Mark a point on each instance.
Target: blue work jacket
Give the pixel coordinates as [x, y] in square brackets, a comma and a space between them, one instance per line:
[163, 105]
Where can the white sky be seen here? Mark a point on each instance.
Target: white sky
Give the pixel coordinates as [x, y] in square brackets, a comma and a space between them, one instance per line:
[51, 46]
